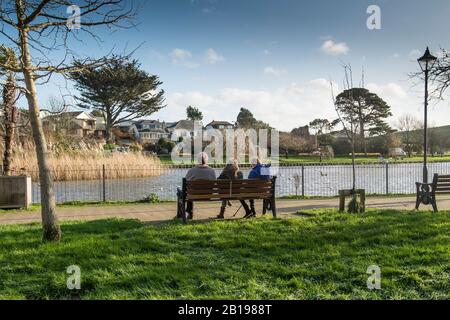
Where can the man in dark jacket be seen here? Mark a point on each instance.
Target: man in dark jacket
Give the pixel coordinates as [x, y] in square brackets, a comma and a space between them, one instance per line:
[200, 172]
[258, 171]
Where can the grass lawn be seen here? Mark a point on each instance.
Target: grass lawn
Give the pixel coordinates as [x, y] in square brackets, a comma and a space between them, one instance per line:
[337, 160]
[359, 160]
[319, 255]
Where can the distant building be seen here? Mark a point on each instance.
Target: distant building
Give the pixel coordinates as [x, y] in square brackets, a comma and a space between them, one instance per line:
[219, 125]
[185, 128]
[126, 130]
[77, 123]
[151, 131]
[100, 127]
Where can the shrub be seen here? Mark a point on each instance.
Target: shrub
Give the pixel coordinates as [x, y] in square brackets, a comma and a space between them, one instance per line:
[152, 198]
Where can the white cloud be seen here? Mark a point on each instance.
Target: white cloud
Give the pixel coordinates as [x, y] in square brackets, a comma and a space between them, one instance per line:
[213, 57]
[333, 48]
[294, 105]
[285, 108]
[409, 101]
[274, 72]
[396, 55]
[183, 57]
[179, 54]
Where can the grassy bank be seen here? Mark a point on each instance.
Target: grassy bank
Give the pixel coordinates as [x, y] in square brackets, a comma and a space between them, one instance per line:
[319, 255]
[165, 159]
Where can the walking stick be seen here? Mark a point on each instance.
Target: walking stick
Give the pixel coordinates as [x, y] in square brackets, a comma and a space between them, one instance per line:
[237, 211]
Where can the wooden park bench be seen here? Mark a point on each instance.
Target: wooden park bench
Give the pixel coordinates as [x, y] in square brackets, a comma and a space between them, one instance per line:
[440, 185]
[218, 190]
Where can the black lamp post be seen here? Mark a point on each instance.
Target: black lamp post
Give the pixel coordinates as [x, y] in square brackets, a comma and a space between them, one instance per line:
[423, 189]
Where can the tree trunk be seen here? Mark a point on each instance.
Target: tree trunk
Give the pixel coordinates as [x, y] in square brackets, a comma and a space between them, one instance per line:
[50, 224]
[109, 134]
[9, 109]
[108, 125]
[363, 138]
[353, 165]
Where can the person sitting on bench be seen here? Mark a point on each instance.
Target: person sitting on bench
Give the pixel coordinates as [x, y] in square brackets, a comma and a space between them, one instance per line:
[258, 171]
[231, 172]
[200, 172]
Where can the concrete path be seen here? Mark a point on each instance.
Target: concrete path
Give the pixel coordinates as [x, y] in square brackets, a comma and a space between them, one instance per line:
[203, 211]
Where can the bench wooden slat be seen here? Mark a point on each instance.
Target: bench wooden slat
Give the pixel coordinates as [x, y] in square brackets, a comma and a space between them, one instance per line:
[442, 184]
[256, 181]
[227, 191]
[446, 184]
[225, 185]
[218, 183]
[243, 196]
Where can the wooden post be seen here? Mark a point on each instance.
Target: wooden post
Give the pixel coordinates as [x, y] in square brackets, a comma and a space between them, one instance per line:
[362, 196]
[15, 192]
[341, 201]
[344, 193]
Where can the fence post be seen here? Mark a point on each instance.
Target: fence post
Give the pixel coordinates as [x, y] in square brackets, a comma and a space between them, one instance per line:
[303, 181]
[104, 182]
[387, 178]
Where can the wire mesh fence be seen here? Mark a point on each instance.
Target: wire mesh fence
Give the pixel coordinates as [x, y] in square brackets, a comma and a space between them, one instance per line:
[162, 181]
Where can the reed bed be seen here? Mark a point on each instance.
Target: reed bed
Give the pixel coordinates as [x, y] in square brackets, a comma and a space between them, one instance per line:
[90, 166]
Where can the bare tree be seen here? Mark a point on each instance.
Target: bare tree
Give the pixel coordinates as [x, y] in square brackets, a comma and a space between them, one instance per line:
[9, 98]
[36, 28]
[350, 123]
[408, 125]
[440, 75]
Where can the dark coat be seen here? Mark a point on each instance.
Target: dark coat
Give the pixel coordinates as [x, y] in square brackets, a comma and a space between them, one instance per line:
[227, 174]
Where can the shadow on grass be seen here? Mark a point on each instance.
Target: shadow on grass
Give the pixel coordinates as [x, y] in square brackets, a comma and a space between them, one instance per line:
[324, 256]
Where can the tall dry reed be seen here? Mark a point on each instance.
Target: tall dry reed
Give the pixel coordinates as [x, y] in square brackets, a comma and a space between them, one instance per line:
[88, 165]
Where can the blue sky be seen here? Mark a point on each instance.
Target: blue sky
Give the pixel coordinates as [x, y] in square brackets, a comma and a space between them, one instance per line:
[276, 57]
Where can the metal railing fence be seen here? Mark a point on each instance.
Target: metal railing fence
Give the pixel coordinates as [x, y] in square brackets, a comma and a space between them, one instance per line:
[134, 184]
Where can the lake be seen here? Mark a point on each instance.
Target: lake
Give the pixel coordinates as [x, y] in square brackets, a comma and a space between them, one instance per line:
[319, 180]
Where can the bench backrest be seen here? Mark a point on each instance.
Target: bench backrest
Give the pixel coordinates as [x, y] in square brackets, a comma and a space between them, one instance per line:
[228, 189]
[441, 183]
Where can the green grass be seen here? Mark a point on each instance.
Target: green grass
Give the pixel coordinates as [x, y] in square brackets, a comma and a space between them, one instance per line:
[359, 160]
[337, 160]
[319, 255]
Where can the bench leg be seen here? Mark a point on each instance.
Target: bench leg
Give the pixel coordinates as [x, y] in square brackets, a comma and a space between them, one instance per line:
[418, 200]
[434, 204]
[183, 211]
[265, 204]
[274, 208]
[179, 211]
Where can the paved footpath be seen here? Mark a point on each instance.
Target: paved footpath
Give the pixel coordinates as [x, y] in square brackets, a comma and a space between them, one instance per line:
[203, 211]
